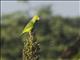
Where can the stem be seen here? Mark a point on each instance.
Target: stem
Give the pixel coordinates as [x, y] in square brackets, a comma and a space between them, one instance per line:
[31, 48]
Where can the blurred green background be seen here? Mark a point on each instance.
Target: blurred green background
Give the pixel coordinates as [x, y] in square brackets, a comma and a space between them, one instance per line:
[58, 36]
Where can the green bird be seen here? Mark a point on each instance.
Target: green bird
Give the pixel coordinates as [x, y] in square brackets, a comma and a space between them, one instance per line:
[28, 28]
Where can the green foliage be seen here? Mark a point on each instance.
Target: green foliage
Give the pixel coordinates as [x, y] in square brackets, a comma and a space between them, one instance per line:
[55, 34]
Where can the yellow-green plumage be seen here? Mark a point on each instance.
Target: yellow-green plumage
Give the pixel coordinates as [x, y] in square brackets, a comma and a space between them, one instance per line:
[30, 25]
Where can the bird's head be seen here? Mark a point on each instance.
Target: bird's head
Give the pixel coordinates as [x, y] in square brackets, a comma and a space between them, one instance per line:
[36, 17]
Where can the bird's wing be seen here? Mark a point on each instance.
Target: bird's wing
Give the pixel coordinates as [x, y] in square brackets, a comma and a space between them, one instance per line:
[28, 27]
